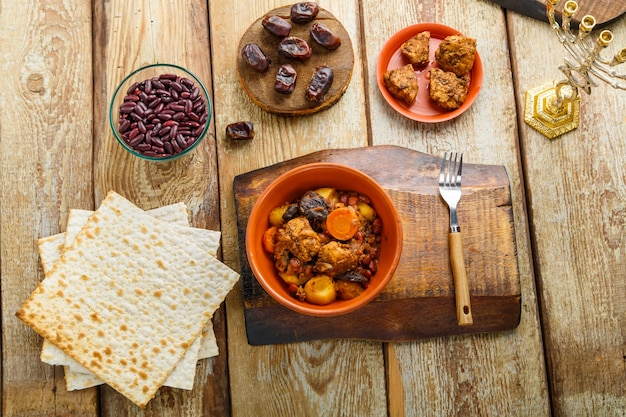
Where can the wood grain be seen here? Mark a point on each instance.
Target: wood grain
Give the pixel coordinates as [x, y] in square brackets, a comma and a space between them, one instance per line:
[260, 86]
[128, 35]
[423, 284]
[45, 168]
[577, 199]
[311, 378]
[470, 368]
[605, 11]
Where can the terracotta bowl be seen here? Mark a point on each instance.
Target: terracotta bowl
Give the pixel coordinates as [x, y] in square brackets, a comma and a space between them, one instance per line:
[292, 185]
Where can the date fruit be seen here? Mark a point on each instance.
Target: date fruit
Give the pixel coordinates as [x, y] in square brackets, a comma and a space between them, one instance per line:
[240, 131]
[324, 36]
[295, 48]
[320, 84]
[255, 57]
[277, 26]
[285, 79]
[304, 12]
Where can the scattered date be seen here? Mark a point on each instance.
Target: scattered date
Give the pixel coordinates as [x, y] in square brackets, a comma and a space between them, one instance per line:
[320, 84]
[240, 131]
[277, 26]
[324, 36]
[285, 81]
[255, 57]
[304, 12]
[296, 48]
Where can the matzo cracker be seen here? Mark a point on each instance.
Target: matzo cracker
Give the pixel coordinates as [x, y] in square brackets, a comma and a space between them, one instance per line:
[113, 304]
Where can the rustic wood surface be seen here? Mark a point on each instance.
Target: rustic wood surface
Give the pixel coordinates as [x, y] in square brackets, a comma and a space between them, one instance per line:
[61, 61]
[605, 11]
[422, 285]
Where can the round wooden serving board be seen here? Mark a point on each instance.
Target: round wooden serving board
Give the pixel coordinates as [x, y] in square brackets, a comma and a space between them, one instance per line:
[260, 86]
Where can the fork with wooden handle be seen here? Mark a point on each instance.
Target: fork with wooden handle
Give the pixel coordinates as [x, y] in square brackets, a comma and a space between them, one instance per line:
[450, 190]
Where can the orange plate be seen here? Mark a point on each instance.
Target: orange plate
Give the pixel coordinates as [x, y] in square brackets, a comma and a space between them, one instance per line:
[423, 110]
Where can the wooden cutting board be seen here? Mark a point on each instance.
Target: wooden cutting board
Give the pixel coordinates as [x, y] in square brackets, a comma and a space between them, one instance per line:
[605, 11]
[419, 300]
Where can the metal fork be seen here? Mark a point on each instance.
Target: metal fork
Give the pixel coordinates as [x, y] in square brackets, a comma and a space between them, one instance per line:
[450, 190]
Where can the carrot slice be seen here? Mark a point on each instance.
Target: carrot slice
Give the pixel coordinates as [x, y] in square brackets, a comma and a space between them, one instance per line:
[269, 239]
[342, 223]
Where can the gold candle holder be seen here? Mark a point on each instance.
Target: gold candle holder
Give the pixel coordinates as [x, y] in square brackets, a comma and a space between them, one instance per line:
[554, 108]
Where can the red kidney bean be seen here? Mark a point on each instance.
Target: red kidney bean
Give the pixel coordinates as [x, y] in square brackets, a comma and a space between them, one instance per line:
[181, 141]
[173, 131]
[198, 131]
[157, 142]
[135, 140]
[124, 125]
[132, 88]
[127, 107]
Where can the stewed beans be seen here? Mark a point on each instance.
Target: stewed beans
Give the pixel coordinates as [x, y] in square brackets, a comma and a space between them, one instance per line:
[162, 116]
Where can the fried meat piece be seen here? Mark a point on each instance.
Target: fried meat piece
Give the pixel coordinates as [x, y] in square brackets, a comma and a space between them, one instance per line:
[296, 238]
[335, 259]
[447, 90]
[416, 50]
[402, 83]
[456, 54]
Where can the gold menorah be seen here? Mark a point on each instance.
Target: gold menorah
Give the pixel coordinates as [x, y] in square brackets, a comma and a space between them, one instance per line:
[554, 108]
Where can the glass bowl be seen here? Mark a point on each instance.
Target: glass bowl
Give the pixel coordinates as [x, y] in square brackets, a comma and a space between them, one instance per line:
[166, 122]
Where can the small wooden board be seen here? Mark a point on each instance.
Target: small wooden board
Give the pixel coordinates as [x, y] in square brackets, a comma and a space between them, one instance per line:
[419, 300]
[260, 86]
[605, 11]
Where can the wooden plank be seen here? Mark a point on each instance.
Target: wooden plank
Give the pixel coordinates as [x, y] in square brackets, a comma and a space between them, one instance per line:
[576, 194]
[604, 11]
[496, 374]
[422, 285]
[128, 35]
[45, 169]
[312, 378]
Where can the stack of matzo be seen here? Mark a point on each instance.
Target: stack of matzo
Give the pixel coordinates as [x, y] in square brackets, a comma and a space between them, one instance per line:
[127, 298]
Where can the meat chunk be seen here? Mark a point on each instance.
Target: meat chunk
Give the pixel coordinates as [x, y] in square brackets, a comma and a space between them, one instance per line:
[456, 54]
[335, 259]
[447, 90]
[297, 238]
[416, 50]
[402, 84]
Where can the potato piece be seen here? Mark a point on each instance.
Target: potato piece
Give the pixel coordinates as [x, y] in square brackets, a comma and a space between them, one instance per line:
[330, 194]
[292, 278]
[276, 215]
[347, 290]
[366, 211]
[320, 290]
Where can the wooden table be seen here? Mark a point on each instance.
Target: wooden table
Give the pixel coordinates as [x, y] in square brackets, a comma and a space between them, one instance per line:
[61, 61]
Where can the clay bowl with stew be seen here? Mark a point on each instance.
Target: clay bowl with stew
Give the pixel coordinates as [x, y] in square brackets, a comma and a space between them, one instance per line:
[290, 187]
[160, 112]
